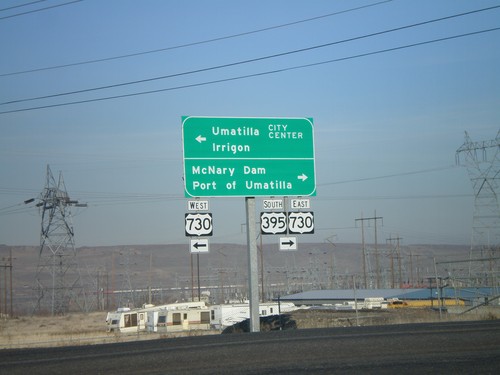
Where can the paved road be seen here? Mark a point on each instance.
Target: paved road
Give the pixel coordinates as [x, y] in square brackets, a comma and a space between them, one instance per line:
[446, 348]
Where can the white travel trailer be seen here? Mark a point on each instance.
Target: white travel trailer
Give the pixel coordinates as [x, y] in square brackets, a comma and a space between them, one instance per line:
[222, 316]
[125, 319]
[372, 303]
[375, 303]
[187, 316]
[177, 320]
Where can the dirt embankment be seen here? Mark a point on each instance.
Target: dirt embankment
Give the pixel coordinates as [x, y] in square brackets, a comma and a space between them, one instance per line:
[90, 328]
[328, 318]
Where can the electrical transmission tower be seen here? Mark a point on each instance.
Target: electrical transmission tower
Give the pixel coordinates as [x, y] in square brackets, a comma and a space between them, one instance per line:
[482, 160]
[128, 294]
[57, 286]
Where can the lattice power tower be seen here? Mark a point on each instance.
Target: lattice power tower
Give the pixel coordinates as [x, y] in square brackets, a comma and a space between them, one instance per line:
[482, 160]
[57, 287]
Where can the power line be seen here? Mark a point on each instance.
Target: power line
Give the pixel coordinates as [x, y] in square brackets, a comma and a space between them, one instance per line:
[195, 43]
[135, 195]
[20, 210]
[395, 197]
[254, 74]
[118, 199]
[11, 208]
[39, 10]
[250, 60]
[22, 5]
[106, 200]
[11, 191]
[391, 175]
[97, 199]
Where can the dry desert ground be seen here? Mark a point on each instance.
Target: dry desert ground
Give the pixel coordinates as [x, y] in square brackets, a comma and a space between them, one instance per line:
[90, 328]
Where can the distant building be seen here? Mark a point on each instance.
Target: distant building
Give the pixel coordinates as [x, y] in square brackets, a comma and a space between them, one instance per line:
[469, 296]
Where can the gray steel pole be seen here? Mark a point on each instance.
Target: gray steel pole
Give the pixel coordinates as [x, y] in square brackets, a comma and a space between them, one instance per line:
[253, 265]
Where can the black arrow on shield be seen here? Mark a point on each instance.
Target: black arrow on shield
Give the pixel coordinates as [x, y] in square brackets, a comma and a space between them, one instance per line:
[289, 243]
[197, 245]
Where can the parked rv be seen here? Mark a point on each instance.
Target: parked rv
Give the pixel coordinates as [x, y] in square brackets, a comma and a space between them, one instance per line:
[125, 319]
[187, 316]
[372, 303]
[178, 320]
[222, 316]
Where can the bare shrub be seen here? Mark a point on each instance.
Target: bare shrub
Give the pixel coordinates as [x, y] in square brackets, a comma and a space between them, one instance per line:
[489, 316]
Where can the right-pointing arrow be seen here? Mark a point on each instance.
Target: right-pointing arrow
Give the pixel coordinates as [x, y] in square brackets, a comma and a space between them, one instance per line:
[302, 177]
[288, 243]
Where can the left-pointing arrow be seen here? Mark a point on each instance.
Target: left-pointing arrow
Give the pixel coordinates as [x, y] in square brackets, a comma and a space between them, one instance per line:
[197, 245]
[201, 139]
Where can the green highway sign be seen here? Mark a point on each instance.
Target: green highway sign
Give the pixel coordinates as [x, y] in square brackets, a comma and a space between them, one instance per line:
[248, 156]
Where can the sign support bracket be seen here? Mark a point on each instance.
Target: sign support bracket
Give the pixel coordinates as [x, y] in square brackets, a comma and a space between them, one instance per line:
[253, 265]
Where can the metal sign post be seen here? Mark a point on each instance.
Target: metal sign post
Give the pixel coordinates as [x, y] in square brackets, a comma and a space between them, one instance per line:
[253, 265]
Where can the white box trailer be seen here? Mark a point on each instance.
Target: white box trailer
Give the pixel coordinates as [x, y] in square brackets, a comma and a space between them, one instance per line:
[178, 320]
[375, 303]
[372, 303]
[222, 316]
[125, 319]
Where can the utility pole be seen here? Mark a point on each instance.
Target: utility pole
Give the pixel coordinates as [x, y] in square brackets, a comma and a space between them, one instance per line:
[377, 257]
[392, 265]
[150, 277]
[113, 281]
[7, 286]
[362, 220]
[398, 255]
[333, 271]
[411, 270]
[417, 268]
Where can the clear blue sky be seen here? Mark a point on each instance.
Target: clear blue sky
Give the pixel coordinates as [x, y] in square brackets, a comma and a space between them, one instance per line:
[387, 125]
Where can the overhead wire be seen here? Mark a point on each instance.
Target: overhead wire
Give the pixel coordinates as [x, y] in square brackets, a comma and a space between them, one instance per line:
[152, 197]
[95, 198]
[18, 191]
[2, 209]
[390, 175]
[118, 199]
[39, 10]
[21, 207]
[397, 197]
[113, 198]
[19, 210]
[253, 75]
[22, 5]
[206, 41]
[222, 66]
